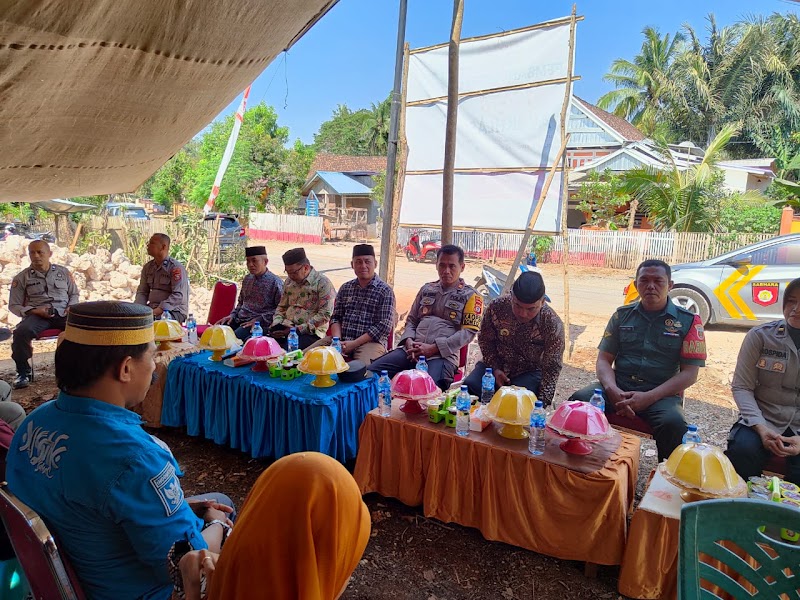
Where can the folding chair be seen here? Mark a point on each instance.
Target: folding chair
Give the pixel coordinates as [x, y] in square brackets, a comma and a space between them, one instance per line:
[48, 572]
[223, 301]
[738, 549]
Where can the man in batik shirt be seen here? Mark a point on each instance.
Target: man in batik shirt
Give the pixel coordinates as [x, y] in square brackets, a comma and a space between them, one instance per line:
[307, 301]
[521, 340]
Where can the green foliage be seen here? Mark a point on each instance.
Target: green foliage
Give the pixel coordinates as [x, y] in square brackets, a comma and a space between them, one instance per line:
[748, 213]
[92, 240]
[688, 87]
[379, 191]
[682, 200]
[18, 212]
[286, 181]
[602, 196]
[358, 133]
[170, 184]
[540, 245]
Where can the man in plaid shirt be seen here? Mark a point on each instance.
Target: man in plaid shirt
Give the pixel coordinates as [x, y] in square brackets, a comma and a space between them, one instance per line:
[363, 314]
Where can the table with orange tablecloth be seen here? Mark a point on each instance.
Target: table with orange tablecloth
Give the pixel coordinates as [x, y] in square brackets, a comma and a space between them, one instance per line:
[566, 506]
[650, 565]
[150, 408]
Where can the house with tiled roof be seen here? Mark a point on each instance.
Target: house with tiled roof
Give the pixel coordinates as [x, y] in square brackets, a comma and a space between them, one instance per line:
[340, 188]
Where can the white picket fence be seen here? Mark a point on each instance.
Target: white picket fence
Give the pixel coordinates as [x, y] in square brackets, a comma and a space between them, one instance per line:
[284, 227]
[626, 249]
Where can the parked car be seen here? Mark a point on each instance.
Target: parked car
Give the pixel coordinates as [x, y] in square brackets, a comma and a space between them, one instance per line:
[741, 287]
[126, 210]
[231, 231]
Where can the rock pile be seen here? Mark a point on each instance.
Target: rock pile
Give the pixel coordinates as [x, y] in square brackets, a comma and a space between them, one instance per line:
[99, 276]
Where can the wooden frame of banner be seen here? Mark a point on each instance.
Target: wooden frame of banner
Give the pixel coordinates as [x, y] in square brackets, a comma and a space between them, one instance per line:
[561, 157]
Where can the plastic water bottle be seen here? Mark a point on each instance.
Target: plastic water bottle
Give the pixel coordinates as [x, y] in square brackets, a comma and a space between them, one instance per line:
[487, 386]
[166, 315]
[536, 442]
[422, 364]
[691, 436]
[191, 329]
[598, 400]
[336, 345]
[462, 415]
[385, 394]
[292, 340]
[255, 330]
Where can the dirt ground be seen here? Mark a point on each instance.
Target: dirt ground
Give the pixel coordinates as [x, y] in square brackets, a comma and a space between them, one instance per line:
[405, 546]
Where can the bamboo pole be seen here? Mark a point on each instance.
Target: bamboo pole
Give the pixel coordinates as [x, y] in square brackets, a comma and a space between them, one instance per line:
[543, 25]
[448, 176]
[565, 182]
[75, 237]
[532, 223]
[507, 88]
[402, 145]
[389, 226]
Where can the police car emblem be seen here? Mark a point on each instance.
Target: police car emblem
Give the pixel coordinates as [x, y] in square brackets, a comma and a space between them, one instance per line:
[168, 489]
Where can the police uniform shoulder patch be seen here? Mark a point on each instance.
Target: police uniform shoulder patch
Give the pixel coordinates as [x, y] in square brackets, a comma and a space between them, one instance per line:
[176, 274]
[168, 489]
[473, 311]
[15, 283]
[694, 343]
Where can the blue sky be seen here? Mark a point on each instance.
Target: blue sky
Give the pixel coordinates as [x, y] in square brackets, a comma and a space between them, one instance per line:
[348, 57]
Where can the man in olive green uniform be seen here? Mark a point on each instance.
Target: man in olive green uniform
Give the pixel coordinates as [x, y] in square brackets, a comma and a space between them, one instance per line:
[445, 316]
[164, 285]
[650, 353]
[40, 295]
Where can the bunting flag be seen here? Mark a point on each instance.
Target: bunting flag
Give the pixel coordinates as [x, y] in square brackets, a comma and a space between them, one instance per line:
[226, 158]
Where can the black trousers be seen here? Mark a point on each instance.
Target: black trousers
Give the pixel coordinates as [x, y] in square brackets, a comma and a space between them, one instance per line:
[25, 333]
[749, 456]
[393, 362]
[530, 380]
[305, 339]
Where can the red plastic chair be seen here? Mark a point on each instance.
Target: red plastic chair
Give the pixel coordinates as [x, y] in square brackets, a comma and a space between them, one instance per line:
[223, 301]
[47, 334]
[48, 572]
[776, 465]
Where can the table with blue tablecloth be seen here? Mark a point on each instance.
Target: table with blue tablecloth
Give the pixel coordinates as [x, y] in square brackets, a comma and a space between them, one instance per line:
[265, 416]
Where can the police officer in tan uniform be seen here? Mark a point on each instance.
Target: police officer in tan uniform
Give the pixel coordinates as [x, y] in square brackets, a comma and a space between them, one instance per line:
[445, 316]
[164, 285]
[40, 295]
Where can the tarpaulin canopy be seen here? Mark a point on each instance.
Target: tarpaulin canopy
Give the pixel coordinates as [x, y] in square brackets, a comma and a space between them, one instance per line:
[98, 94]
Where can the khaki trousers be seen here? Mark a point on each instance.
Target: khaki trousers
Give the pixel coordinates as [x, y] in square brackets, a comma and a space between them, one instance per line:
[366, 353]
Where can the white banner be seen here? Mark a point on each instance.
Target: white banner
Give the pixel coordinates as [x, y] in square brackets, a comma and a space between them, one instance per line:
[508, 138]
[508, 129]
[505, 60]
[501, 201]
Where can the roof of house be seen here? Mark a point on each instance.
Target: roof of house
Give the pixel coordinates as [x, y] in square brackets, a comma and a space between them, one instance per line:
[343, 163]
[627, 131]
[339, 183]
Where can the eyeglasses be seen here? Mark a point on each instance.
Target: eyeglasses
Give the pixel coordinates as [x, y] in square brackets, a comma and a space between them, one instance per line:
[293, 272]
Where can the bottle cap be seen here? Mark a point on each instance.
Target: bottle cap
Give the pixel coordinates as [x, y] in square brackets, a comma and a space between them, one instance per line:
[464, 388]
[385, 372]
[692, 427]
[538, 404]
[598, 391]
[488, 370]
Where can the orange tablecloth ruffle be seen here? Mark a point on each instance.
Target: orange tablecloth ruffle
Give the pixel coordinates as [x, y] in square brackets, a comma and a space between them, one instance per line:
[497, 486]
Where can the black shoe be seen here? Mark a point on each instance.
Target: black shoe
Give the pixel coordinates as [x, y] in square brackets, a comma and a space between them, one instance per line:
[5, 333]
[22, 381]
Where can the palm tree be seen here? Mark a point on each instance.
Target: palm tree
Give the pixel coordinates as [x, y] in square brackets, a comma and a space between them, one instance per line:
[680, 200]
[376, 127]
[645, 85]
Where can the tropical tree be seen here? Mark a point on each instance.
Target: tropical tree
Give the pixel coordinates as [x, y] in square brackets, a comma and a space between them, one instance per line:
[376, 128]
[681, 200]
[343, 133]
[601, 197]
[645, 85]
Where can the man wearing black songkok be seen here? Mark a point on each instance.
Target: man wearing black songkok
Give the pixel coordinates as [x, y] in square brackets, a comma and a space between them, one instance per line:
[259, 297]
[522, 340]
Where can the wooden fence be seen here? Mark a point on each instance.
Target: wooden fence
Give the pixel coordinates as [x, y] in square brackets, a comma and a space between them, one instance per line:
[626, 249]
[284, 227]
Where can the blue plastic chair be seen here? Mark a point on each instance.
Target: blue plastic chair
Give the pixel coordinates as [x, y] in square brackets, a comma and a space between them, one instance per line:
[743, 537]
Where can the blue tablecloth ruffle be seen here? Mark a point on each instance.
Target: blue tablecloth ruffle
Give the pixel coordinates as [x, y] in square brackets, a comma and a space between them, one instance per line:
[265, 416]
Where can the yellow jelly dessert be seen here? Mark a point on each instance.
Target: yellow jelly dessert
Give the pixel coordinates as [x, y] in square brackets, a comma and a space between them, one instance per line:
[704, 470]
[512, 406]
[322, 362]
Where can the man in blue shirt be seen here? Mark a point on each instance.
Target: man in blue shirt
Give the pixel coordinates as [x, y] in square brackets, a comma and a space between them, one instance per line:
[109, 491]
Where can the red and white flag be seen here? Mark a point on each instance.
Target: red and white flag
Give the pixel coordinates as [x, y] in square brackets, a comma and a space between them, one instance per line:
[226, 158]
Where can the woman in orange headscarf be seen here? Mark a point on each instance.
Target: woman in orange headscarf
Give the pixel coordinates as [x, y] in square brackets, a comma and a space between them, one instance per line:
[300, 535]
